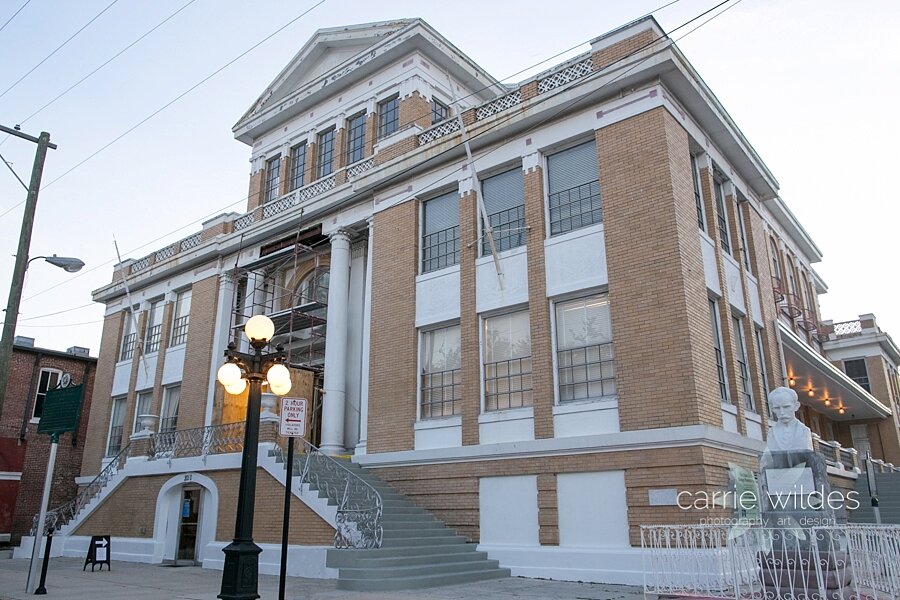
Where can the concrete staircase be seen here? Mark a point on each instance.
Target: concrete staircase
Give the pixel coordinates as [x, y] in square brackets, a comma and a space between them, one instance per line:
[417, 550]
[888, 485]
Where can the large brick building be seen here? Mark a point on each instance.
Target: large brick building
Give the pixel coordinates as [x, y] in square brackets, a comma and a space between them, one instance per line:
[650, 286]
[23, 452]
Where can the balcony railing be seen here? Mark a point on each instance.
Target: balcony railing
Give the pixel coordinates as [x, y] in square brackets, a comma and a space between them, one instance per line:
[201, 441]
[848, 328]
[845, 459]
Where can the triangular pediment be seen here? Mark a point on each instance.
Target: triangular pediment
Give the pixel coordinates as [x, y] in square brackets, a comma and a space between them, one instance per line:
[325, 50]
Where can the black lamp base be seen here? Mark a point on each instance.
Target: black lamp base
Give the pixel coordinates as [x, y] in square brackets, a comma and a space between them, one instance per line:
[240, 575]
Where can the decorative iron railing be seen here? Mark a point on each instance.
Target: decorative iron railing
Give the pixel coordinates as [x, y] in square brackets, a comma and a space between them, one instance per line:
[244, 221]
[360, 167]
[438, 131]
[200, 441]
[61, 515]
[818, 563]
[359, 505]
[140, 265]
[498, 105]
[191, 241]
[165, 253]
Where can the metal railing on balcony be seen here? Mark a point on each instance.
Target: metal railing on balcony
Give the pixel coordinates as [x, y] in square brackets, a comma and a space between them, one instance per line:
[790, 306]
[848, 328]
[359, 505]
[200, 441]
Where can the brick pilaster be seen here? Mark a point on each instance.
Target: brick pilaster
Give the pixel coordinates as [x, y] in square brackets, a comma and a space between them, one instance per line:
[101, 399]
[415, 109]
[470, 359]
[255, 193]
[548, 509]
[199, 353]
[165, 334]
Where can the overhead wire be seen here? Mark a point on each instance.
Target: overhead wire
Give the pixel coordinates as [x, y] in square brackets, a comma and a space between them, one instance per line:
[13, 171]
[9, 20]
[564, 107]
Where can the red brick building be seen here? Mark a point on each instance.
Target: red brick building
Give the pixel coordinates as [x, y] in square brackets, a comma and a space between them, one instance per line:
[24, 452]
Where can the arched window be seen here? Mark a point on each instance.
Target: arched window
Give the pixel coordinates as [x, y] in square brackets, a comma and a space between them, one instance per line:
[776, 266]
[313, 287]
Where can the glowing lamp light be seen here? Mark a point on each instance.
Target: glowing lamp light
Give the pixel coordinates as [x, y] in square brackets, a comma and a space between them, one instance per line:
[237, 388]
[280, 388]
[811, 393]
[827, 402]
[841, 410]
[229, 374]
[792, 381]
[278, 374]
[259, 328]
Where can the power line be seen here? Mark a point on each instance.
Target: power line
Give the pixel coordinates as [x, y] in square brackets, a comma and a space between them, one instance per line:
[14, 15]
[564, 107]
[13, 171]
[58, 48]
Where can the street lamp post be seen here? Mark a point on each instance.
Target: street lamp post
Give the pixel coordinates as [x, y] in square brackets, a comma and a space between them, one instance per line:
[241, 571]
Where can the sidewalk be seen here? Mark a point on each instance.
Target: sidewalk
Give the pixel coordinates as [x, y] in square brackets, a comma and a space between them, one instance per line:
[66, 581]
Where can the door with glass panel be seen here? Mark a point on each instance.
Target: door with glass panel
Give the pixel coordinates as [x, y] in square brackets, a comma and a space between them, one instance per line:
[188, 526]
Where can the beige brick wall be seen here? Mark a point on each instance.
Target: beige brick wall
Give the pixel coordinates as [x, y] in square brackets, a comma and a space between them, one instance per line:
[165, 334]
[101, 400]
[470, 357]
[392, 356]
[665, 370]
[255, 192]
[199, 353]
[137, 365]
[389, 153]
[886, 439]
[415, 109]
[619, 50]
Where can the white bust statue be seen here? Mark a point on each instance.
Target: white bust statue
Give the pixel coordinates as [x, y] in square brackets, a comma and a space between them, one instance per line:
[786, 432]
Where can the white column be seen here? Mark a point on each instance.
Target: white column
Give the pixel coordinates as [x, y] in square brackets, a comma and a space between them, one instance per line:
[336, 345]
[364, 368]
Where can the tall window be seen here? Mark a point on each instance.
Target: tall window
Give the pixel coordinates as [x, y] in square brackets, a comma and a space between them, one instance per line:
[441, 381]
[182, 318]
[325, 162]
[717, 347]
[574, 186]
[116, 422]
[698, 198]
[128, 336]
[298, 165]
[273, 178]
[48, 380]
[439, 111]
[584, 350]
[169, 418]
[507, 361]
[776, 265]
[745, 253]
[388, 116]
[743, 369]
[313, 288]
[154, 326]
[504, 200]
[856, 370]
[144, 399]
[722, 216]
[440, 232]
[762, 363]
[356, 137]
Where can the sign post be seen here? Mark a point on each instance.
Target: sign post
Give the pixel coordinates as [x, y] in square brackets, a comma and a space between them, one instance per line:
[292, 423]
[61, 413]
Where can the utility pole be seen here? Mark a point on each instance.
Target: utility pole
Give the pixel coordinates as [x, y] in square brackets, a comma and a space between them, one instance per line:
[18, 278]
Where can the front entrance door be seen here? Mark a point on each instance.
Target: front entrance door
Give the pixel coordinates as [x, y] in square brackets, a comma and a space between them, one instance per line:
[189, 518]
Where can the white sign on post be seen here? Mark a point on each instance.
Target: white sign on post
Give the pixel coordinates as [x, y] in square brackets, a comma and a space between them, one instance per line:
[293, 417]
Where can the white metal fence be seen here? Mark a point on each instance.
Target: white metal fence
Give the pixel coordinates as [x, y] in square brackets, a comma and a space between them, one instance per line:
[858, 562]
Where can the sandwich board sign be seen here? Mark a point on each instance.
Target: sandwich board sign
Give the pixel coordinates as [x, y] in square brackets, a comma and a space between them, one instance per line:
[293, 421]
[98, 552]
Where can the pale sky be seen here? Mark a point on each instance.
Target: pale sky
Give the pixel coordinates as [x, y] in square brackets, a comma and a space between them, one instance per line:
[811, 84]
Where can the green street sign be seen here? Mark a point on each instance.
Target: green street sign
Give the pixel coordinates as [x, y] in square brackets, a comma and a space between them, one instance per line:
[62, 409]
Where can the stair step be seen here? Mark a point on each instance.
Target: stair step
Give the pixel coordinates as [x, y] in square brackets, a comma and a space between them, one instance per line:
[336, 558]
[394, 542]
[417, 532]
[421, 559]
[417, 570]
[422, 581]
[412, 525]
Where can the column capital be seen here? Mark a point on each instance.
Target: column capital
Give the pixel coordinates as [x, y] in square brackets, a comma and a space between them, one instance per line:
[340, 235]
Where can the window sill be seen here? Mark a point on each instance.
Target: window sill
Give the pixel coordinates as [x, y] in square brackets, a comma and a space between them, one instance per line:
[451, 270]
[508, 414]
[483, 260]
[577, 406]
[34, 420]
[730, 408]
[176, 346]
[439, 422]
[561, 238]
[752, 416]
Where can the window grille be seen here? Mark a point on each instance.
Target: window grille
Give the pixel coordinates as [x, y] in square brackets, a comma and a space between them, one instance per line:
[144, 400]
[504, 200]
[440, 232]
[116, 423]
[273, 178]
[574, 186]
[356, 138]
[507, 362]
[181, 318]
[584, 350]
[441, 379]
[154, 327]
[388, 116]
[168, 421]
[439, 111]
[325, 162]
[298, 165]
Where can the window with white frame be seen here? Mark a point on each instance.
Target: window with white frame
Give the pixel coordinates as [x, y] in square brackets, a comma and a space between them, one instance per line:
[48, 380]
[129, 337]
[761, 357]
[776, 264]
[142, 407]
[298, 165]
[573, 182]
[439, 111]
[441, 380]
[585, 364]
[722, 216]
[356, 137]
[504, 201]
[313, 287]
[698, 198]
[745, 252]
[440, 232]
[743, 366]
[116, 423]
[154, 326]
[507, 361]
[325, 162]
[718, 348]
[182, 317]
[168, 420]
[273, 178]
[388, 116]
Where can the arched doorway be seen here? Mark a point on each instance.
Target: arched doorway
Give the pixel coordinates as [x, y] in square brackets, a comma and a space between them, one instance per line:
[187, 507]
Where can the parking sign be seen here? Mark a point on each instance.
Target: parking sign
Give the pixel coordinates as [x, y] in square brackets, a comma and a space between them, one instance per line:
[293, 417]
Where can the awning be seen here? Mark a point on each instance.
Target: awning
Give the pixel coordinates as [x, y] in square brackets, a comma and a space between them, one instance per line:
[811, 370]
